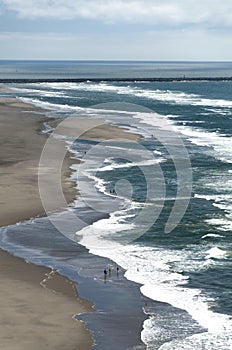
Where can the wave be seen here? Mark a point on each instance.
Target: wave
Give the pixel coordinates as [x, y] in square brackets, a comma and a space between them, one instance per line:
[151, 267]
[88, 112]
[222, 224]
[216, 253]
[50, 106]
[216, 144]
[114, 165]
[36, 92]
[160, 271]
[211, 235]
[220, 184]
[204, 341]
[168, 96]
[221, 144]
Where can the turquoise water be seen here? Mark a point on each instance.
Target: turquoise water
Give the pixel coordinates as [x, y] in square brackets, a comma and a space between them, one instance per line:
[188, 267]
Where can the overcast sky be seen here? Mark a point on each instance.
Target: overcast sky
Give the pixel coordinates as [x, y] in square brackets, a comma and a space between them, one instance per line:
[116, 29]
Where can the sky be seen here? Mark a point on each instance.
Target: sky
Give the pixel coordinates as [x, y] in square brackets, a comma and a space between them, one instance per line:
[116, 29]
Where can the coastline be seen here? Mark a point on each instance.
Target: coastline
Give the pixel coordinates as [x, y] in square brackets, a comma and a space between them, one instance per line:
[176, 270]
[38, 308]
[21, 146]
[30, 292]
[32, 310]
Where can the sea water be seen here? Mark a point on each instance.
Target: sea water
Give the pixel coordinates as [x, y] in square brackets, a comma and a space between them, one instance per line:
[164, 201]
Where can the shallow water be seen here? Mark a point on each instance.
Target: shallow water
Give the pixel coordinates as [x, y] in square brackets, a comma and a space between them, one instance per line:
[168, 224]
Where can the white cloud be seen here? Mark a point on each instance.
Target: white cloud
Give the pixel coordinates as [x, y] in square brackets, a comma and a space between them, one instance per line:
[208, 13]
[179, 29]
[153, 45]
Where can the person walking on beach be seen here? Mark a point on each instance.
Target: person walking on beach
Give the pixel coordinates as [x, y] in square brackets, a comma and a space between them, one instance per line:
[105, 274]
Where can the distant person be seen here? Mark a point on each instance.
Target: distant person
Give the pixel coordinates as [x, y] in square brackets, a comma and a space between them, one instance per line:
[105, 273]
[117, 270]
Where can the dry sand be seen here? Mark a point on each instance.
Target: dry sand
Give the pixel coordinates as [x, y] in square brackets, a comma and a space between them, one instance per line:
[37, 304]
[20, 149]
[92, 129]
[33, 315]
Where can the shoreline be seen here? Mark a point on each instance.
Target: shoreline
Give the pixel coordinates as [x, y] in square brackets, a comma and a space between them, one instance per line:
[21, 146]
[156, 260]
[82, 306]
[38, 307]
[22, 287]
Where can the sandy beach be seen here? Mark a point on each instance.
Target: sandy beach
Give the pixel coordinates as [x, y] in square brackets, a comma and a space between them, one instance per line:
[37, 304]
[21, 146]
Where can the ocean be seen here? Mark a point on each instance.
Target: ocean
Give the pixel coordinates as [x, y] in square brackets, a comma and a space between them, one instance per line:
[159, 207]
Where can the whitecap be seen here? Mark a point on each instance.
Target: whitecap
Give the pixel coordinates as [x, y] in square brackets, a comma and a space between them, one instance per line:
[216, 253]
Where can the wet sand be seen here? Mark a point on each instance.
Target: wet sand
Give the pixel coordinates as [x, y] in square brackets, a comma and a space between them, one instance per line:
[20, 149]
[37, 304]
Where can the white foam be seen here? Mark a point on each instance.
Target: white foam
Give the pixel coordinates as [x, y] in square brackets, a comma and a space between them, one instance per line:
[223, 201]
[151, 268]
[168, 96]
[113, 166]
[99, 183]
[220, 184]
[99, 235]
[50, 106]
[203, 341]
[43, 93]
[211, 235]
[78, 111]
[101, 232]
[214, 197]
[222, 224]
[216, 253]
[216, 144]
[47, 128]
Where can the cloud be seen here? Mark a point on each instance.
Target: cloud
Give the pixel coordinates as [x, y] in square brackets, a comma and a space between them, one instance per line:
[153, 45]
[206, 13]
